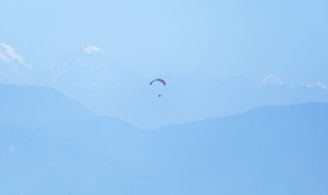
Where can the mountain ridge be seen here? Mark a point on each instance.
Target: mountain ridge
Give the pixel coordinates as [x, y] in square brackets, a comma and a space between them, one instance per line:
[267, 150]
[106, 87]
[28, 105]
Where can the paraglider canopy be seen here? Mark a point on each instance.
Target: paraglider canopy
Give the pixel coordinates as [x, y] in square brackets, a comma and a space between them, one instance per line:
[158, 80]
[161, 81]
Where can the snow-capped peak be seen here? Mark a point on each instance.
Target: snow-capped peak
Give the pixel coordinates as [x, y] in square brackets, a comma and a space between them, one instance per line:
[90, 49]
[271, 79]
[318, 84]
[9, 55]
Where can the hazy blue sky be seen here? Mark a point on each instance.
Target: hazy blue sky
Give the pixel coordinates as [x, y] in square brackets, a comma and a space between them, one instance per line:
[225, 38]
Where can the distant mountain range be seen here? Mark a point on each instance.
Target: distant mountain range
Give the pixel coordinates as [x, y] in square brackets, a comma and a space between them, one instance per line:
[50, 144]
[108, 88]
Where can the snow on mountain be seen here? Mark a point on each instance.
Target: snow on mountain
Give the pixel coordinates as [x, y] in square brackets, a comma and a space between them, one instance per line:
[13, 68]
[8, 55]
[271, 79]
[317, 84]
[92, 49]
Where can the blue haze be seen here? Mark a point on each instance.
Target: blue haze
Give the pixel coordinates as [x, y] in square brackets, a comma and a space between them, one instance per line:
[268, 150]
[244, 110]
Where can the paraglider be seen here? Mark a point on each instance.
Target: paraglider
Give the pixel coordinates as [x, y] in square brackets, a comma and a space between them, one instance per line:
[158, 80]
[161, 81]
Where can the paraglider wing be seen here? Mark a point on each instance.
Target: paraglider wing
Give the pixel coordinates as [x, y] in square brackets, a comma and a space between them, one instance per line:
[158, 80]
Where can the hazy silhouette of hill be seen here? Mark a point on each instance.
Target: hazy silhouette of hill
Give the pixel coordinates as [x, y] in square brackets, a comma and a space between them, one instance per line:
[267, 150]
[22, 105]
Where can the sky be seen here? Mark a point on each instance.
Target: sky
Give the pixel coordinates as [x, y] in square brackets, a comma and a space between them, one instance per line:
[210, 37]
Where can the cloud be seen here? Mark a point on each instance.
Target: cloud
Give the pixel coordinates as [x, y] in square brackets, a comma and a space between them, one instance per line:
[8, 54]
[92, 49]
[272, 79]
[318, 84]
